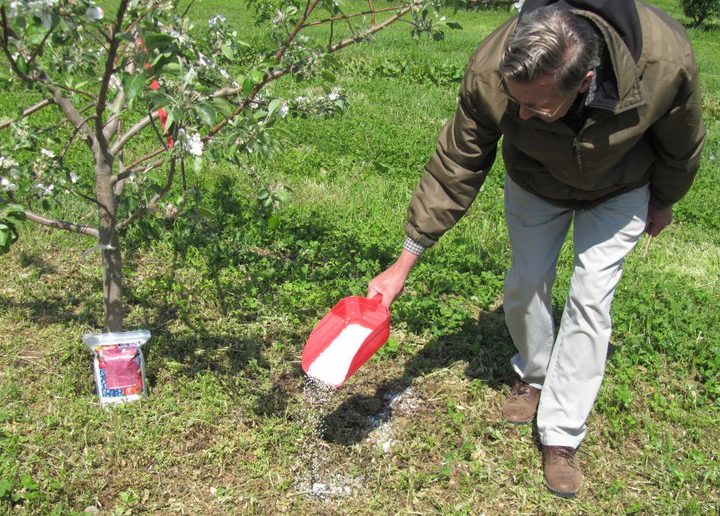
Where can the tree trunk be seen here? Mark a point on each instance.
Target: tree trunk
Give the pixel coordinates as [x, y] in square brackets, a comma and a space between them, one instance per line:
[109, 241]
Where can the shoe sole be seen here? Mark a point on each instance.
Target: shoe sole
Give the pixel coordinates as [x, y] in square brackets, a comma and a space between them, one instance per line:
[561, 494]
[566, 496]
[519, 423]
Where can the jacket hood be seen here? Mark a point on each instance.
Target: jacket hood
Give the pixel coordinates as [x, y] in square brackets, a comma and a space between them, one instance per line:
[621, 15]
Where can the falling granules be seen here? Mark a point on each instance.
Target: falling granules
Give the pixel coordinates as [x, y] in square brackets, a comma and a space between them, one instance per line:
[313, 477]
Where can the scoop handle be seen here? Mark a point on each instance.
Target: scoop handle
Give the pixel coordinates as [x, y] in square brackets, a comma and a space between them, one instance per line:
[377, 299]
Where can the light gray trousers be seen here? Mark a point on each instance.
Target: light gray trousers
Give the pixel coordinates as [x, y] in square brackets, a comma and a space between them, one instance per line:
[568, 367]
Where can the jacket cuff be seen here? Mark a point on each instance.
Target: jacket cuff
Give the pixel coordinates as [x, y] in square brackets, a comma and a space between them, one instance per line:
[418, 237]
[657, 203]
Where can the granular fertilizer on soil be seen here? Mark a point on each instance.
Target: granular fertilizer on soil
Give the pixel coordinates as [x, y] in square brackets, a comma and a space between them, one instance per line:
[315, 477]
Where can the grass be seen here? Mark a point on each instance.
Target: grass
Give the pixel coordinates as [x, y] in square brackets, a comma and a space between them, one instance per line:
[230, 303]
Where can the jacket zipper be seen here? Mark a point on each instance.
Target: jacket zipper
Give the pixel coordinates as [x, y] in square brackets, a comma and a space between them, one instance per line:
[578, 158]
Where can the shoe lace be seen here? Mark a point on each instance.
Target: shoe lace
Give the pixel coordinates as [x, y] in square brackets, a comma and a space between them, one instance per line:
[520, 390]
[561, 453]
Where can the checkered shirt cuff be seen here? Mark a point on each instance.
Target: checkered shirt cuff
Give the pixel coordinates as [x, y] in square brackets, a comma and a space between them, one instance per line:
[413, 247]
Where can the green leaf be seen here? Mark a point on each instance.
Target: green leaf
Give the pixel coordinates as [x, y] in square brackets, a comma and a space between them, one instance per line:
[170, 118]
[247, 86]
[223, 106]
[28, 483]
[257, 76]
[228, 52]
[35, 34]
[273, 222]
[21, 64]
[6, 488]
[207, 114]
[5, 237]
[328, 76]
[157, 41]
[172, 68]
[455, 25]
[13, 211]
[273, 107]
[132, 84]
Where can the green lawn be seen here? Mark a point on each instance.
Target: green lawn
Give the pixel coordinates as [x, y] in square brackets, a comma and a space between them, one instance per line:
[226, 428]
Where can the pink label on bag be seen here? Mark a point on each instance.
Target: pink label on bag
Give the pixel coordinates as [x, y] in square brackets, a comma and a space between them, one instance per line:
[121, 367]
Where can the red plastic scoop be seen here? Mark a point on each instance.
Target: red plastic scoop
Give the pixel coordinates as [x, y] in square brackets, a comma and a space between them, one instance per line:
[345, 339]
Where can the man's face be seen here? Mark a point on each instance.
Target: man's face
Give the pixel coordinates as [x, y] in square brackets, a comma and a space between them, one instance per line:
[540, 98]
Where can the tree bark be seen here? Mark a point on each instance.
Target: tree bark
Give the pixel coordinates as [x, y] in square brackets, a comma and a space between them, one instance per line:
[109, 240]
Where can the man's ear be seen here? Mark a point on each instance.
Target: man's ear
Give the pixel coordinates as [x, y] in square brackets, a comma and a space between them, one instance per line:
[587, 81]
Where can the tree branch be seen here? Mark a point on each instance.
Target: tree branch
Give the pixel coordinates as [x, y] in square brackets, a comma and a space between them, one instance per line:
[372, 30]
[107, 74]
[70, 111]
[130, 169]
[72, 136]
[140, 211]
[61, 224]
[272, 76]
[372, 12]
[29, 111]
[39, 48]
[73, 90]
[353, 15]
[5, 45]
[130, 133]
[298, 27]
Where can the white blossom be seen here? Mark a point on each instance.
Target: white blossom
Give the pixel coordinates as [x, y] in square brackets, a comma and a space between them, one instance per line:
[218, 19]
[334, 95]
[36, 8]
[7, 185]
[94, 13]
[171, 212]
[43, 189]
[518, 5]
[74, 177]
[6, 163]
[114, 82]
[279, 18]
[47, 153]
[284, 110]
[195, 145]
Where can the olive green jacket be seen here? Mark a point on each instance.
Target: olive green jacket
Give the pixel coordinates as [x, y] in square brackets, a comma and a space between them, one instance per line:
[652, 132]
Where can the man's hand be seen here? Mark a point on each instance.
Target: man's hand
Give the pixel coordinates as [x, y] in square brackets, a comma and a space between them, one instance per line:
[657, 220]
[390, 283]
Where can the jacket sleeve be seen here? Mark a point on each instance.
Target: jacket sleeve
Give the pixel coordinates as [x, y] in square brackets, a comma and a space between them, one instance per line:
[464, 154]
[678, 139]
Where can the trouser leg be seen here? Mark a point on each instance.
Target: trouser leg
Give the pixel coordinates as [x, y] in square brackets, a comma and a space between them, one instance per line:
[602, 237]
[537, 230]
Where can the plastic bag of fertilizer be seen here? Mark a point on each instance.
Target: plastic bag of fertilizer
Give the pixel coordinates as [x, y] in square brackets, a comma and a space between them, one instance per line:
[119, 365]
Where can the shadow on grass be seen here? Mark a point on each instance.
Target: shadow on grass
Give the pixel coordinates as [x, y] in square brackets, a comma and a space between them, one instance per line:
[483, 343]
[293, 273]
[46, 303]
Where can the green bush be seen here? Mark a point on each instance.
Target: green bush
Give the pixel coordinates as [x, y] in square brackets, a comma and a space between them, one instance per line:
[700, 10]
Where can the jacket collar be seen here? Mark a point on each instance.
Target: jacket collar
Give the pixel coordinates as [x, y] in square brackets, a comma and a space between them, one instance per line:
[623, 67]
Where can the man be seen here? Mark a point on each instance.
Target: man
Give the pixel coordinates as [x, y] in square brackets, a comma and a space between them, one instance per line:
[599, 107]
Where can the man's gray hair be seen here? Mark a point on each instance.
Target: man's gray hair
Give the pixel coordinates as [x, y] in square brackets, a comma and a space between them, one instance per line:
[549, 40]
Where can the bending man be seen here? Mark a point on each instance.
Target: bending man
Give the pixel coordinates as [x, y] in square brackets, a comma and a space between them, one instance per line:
[599, 107]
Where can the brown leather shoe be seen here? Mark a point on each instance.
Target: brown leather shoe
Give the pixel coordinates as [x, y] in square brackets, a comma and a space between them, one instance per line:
[562, 471]
[520, 406]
